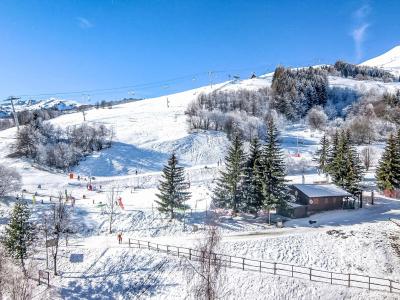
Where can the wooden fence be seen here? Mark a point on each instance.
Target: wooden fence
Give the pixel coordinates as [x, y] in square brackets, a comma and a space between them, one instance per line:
[281, 269]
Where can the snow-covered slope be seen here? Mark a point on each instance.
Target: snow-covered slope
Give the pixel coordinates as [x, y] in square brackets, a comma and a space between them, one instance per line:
[147, 132]
[389, 61]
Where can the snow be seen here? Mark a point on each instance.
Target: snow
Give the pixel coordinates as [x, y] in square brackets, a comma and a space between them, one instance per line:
[52, 103]
[389, 61]
[321, 190]
[147, 131]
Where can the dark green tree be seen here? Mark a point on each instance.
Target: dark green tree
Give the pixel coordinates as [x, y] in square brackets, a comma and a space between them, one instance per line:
[19, 233]
[388, 171]
[333, 155]
[274, 189]
[346, 167]
[252, 183]
[228, 190]
[173, 189]
[354, 166]
[322, 155]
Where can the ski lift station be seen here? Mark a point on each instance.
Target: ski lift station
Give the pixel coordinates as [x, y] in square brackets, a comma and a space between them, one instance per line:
[313, 198]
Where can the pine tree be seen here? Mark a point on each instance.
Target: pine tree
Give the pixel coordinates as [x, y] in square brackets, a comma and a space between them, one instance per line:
[252, 183]
[173, 189]
[228, 191]
[354, 167]
[388, 171]
[333, 154]
[345, 167]
[275, 191]
[19, 233]
[322, 155]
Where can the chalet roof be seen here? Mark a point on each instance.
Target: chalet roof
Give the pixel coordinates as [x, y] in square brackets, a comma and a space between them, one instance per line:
[321, 190]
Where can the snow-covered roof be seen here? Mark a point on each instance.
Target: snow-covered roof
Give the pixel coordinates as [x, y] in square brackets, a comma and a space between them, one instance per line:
[321, 190]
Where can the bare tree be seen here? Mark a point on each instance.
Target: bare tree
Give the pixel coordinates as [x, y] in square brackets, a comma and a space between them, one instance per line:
[362, 129]
[60, 225]
[3, 271]
[316, 118]
[206, 277]
[367, 156]
[19, 287]
[14, 284]
[111, 205]
[10, 180]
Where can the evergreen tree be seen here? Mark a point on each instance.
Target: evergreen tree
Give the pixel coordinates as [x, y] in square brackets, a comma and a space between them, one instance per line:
[353, 166]
[19, 233]
[228, 191]
[333, 154]
[275, 191]
[345, 168]
[173, 189]
[322, 155]
[388, 171]
[252, 183]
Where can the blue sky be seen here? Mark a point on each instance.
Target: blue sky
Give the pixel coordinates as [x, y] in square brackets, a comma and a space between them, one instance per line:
[64, 46]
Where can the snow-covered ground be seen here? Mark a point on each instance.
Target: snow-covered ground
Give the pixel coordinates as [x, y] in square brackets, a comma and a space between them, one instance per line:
[390, 61]
[147, 132]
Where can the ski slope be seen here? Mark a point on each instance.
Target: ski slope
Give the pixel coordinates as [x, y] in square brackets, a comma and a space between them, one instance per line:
[147, 132]
[389, 61]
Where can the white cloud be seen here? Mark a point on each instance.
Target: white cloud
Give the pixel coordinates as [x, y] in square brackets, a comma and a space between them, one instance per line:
[359, 33]
[362, 12]
[84, 23]
[358, 37]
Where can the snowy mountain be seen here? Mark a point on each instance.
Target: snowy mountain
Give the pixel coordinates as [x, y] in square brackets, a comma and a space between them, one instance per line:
[389, 61]
[52, 103]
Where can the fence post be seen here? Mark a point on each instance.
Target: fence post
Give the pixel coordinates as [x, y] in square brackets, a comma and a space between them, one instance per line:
[138, 243]
[178, 251]
[292, 270]
[243, 264]
[310, 273]
[369, 282]
[274, 268]
[129, 241]
[331, 277]
[390, 285]
[190, 254]
[157, 248]
[148, 245]
[230, 261]
[167, 249]
[260, 266]
[349, 281]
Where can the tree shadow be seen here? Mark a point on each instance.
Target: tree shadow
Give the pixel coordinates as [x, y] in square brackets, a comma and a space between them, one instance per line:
[130, 277]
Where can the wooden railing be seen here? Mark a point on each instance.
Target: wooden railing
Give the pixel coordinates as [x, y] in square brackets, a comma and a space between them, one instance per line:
[274, 268]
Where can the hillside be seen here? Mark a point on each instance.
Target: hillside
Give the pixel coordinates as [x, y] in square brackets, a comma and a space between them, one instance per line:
[146, 133]
[389, 61]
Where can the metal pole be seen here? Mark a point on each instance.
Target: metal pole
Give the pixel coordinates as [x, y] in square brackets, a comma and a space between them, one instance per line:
[47, 249]
[11, 99]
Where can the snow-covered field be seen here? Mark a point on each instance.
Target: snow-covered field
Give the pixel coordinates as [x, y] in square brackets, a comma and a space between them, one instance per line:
[94, 266]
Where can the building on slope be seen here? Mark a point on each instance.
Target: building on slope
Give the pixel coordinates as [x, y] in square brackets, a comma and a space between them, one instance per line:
[313, 198]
